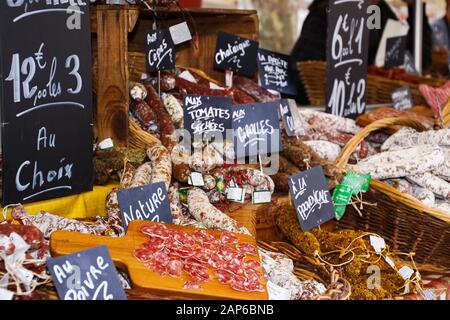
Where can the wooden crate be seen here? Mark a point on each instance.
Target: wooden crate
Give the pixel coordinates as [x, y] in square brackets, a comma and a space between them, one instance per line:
[118, 30]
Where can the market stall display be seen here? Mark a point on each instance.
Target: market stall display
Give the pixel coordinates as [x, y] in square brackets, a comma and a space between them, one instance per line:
[232, 230]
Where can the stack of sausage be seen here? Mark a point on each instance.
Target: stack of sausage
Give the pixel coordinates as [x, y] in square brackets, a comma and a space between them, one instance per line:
[416, 163]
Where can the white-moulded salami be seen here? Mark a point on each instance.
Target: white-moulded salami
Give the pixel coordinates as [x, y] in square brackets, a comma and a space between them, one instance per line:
[174, 108]
[401, 163]
[431, 182]
[329, 122]
[391, 141]
[443, 170]
[142, 176]
[211, 217]
[325, 149]
[407, 140]
[424, 195]
[161, 165]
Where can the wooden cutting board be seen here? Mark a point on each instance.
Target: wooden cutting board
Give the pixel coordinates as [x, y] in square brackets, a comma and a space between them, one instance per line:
[142, 278]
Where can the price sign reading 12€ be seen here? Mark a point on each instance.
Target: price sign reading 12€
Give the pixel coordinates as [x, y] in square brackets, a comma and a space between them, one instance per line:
[46, 99]
[347, 48]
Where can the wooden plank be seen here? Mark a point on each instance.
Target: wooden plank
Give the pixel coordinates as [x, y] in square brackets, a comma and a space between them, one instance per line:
[121, 250]
[112, 92]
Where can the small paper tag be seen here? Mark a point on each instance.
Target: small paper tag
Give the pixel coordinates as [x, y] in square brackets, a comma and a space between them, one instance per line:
[196, 179]
[429, 295]
[406, 272]
[180, 33]
[262, 196]
[235, 194]
[6, 294]
[277, 293]
[377, 243]
[341, 197]
[228, 78]
[406, 290]
[186, 75]
[390, 262]
[357, 181]
[106, 144]
[214, 86]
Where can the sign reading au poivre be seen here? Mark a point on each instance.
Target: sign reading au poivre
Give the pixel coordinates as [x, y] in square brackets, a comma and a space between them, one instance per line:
[46, 99]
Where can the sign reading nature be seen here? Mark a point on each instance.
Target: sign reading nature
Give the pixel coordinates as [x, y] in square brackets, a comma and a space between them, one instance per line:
[46, 99]
[347, 48]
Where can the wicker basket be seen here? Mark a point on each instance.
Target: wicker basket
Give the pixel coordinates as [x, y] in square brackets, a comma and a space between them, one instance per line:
[307, 268]
[405, 223]
[378, 89]
[446, 114]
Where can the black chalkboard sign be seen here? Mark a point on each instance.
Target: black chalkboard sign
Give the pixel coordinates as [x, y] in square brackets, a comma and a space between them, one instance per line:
[274, 72]
[149, 202]
[347, 49]
[402, 98]
[287, 117]
[235, 53]
[160, 50]
[86, 275]
[408, 64]
[256, 129]
[207, 114]
[311, 198]
[395, 52]
[45, 99]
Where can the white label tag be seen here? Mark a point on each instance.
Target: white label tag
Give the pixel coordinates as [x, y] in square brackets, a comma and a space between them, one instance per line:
[180, 33]
[377, 243]
[108, 143]
[406, 290]
[196, 179]
[428, 295]
[186, 75]
[276, 292]
[6, 294]
[214, 86]
[262, 197]
[390, 262]
[235, 194]
[228, 78]
[406, 272]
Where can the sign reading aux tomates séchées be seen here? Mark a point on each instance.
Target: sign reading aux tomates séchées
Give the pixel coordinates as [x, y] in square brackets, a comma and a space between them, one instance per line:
[46, 102]
[347, 48]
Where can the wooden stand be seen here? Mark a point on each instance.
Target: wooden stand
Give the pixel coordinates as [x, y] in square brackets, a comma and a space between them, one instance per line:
[118, 30]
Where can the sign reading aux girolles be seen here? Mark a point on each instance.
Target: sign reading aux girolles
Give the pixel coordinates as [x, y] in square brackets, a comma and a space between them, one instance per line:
[347, 48]
[46, 99]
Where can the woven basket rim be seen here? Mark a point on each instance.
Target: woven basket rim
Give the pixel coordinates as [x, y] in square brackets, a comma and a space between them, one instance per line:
[383, 187]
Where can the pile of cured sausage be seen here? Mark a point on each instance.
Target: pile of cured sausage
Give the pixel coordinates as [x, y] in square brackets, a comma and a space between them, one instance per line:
[202, 257]
[416, 163]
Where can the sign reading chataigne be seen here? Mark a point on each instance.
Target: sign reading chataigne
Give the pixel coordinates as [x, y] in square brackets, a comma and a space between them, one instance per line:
[236, 54]
[347, 50]
[160, 50]
[45, 99]
[274, 72]
[205, 115]
[149, 202]
[86, 275]
[256, 129]
[311, 198]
